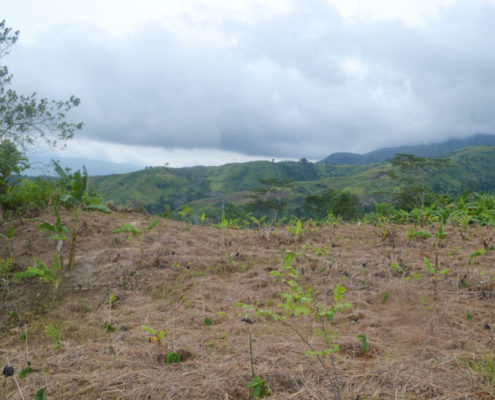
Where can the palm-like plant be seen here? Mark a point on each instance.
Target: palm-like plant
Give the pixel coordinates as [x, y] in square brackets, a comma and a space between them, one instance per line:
[76, 197]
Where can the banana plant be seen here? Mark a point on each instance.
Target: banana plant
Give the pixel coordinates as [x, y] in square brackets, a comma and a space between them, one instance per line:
[76, 198]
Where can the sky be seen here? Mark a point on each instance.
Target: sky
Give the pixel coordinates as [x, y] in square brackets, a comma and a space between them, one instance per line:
[206, 82]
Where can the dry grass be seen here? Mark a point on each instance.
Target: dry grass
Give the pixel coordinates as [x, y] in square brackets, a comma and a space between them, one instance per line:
[419, 348]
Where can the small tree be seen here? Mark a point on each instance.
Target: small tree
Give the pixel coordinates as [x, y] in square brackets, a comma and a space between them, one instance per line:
[26, 119]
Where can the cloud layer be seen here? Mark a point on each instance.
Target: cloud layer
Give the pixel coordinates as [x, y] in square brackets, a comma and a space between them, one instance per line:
[298, 81]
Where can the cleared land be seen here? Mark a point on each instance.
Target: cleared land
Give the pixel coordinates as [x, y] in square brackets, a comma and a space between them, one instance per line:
[420, 345]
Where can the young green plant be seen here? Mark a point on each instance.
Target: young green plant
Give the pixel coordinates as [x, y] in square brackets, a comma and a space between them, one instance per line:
[299, 301]
[155, 337]
[48, 274]
[57, 232]
[131, 230]
[76, 198]
[435, 272]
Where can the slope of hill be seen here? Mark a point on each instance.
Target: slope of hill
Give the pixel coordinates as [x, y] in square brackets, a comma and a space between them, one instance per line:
[425, 339]
[428, 150]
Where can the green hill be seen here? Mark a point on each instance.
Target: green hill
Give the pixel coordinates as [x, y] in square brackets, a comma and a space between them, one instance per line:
[208, 189]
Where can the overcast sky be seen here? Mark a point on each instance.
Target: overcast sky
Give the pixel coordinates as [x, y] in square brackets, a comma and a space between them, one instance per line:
[211, 81]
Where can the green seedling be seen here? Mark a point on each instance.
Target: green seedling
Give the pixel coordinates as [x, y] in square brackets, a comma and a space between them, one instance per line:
[435, 272]
[53, 335]
[440, 235]
[226, 224]
[412, 234]
[155, 337]
[40, 394]
[109, 328]
[259, 388]
[364, 343]
[8, 236]
[48, 274]
[300, 300]
[185, 213]
[385, 295]
[173, 358]
[131, 230]
[296, 229]
[475, 254]
[208, 321]
[469, 316]
[396, 267]
[25, 372]
[258, 222]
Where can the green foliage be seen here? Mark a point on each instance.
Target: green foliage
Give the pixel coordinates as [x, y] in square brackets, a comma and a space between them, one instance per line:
[295, 228]
[485, 367]
[410, 173]
[27, 119]
[172, 358]
[475, 254]
[25, 372]
[155, 336]
[53, 336]
[469, 316]
[131, 230]
[75, 196]
[6, 264]
[385, 296]
[208, 321]
[57, 232]
[48, 274]
[109, 328]
[299, 300]
[259, 388]
[396, 267]
[12, 163]
[364, 343]
[40, 394]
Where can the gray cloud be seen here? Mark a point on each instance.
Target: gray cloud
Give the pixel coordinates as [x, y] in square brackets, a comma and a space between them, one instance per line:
[275, 86]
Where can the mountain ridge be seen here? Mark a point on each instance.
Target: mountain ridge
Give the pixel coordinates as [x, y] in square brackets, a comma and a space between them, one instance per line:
[439, 149]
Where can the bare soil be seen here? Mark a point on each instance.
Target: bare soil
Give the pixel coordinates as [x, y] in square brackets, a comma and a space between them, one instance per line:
[423, 344]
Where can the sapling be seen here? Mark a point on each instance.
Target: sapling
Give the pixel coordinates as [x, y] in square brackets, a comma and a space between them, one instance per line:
[435, 272]
[364, 343]
[296, 228]
[258, 222]
[53, 335]
[132, 230]
[8, 236]
[440, 235]
[57, 231]
[300, 300]
[108, 325]
[155, 337]
[258, 386]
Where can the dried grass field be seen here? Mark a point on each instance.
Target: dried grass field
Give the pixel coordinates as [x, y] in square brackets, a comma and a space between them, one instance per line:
[426, 339]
